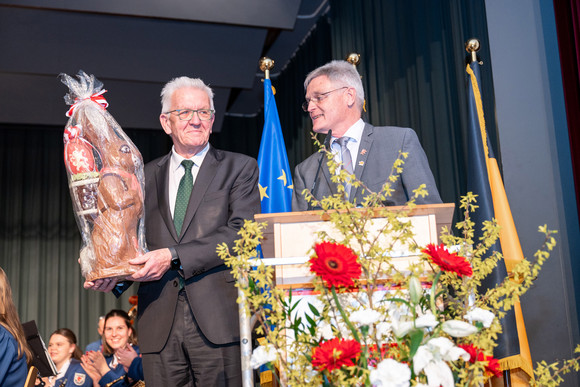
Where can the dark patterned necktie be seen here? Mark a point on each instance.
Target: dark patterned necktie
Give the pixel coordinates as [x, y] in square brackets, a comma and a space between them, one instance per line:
[183, 194]
[346, 160]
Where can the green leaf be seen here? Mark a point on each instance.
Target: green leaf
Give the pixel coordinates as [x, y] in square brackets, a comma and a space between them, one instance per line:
[313, 309]
[415, 338]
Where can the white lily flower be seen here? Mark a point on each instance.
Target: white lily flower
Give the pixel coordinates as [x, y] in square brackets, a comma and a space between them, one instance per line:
[401, 328]
[390, 373]
[427, 320]
[262, 355]
[457, 328]
[324, 330]
[431, 358]
[383, 330]
[439, 374]
[365, 317]
[481, 315]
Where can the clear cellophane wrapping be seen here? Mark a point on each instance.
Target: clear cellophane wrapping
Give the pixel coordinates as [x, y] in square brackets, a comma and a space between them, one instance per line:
[106, 180]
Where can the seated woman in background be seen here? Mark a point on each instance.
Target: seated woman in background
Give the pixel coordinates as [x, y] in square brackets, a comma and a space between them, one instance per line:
[66, 355]
[119, 364]
[14, 351]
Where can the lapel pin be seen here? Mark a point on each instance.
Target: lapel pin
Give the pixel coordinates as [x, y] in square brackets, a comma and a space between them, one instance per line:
[363, 152]
[361, 163]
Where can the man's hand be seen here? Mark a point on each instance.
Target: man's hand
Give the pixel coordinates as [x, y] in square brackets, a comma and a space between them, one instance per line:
[156, 263]
[101, 285]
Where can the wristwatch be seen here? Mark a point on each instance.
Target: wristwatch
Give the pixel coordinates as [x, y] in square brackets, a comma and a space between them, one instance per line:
[175, 262]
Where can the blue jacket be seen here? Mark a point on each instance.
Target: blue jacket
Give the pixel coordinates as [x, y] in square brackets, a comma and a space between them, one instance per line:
[75, 375]
[118, 374]
[13, 371]
[94, 346]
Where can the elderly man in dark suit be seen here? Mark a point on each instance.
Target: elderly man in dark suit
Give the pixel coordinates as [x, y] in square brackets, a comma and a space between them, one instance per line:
[187, 312]
[334, 101]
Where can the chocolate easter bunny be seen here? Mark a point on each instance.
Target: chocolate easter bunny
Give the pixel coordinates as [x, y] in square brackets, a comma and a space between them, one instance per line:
[105, 172]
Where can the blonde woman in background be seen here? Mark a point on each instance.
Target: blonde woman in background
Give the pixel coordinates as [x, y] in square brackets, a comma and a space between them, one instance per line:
[14, 351]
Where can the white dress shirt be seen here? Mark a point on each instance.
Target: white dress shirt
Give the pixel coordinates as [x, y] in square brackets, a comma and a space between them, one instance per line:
[176, 172]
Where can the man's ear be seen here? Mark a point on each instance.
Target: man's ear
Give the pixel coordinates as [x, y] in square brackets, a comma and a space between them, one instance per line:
[350, 96]
[164, 119]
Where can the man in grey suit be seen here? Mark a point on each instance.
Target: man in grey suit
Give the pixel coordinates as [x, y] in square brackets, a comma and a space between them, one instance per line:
[334, 101]
[187, 312]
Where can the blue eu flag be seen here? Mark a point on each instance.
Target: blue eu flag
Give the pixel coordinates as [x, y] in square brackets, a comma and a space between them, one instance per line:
[275, 177]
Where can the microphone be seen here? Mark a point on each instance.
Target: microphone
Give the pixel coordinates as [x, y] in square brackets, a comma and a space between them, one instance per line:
[314, 183]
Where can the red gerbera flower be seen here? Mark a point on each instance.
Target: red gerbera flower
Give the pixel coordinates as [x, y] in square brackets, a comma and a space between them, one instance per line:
[477, 355]
[450, 262]
[336, 264]
[474, 353]
[335, 353]
[493, 366]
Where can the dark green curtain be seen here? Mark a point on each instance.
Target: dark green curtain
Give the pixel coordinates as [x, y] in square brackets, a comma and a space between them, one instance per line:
[39, 238]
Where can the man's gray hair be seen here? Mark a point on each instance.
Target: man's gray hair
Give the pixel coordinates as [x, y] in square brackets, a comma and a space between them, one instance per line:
[340, 73]
[179, 83]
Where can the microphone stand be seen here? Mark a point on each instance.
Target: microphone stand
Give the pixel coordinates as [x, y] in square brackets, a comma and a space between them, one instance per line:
[314, 183]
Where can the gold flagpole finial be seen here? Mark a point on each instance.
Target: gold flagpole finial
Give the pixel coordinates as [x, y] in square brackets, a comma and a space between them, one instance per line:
[353, 58]
[266, 64]
[472, 46]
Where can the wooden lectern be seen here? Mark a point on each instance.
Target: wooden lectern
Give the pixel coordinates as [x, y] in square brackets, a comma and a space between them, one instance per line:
[291, 235]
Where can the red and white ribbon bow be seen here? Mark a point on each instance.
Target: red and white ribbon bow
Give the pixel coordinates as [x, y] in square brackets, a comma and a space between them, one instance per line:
[97, 97]
[71, 133]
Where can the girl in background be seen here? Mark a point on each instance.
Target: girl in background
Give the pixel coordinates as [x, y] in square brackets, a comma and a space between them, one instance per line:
[14, 351]
[66, 355]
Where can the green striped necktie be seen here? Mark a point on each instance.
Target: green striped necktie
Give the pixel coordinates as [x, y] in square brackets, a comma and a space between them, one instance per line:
[183, 194]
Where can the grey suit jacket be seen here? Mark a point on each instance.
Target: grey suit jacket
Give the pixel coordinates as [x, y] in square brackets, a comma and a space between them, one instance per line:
[378, 150]
[225, 193]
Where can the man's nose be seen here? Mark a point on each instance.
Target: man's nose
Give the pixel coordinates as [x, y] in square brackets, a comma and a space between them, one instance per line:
[195, 119]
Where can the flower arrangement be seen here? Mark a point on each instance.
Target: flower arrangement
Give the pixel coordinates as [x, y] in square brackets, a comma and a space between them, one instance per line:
[368, 322]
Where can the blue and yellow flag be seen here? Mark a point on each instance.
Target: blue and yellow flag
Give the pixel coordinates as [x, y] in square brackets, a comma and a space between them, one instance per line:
[275, 177]
[484, 179]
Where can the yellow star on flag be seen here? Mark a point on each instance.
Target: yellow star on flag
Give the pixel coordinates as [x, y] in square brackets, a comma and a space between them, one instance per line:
[263, 193]
[283, 178]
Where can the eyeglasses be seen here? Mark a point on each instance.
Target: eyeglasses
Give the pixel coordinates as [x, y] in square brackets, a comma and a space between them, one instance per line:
[187, 114]
[319, 98]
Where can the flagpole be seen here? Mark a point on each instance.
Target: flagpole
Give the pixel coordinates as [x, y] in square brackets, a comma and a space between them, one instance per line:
[472, 46]
[354, 59]
[246, 321]
[266, 64]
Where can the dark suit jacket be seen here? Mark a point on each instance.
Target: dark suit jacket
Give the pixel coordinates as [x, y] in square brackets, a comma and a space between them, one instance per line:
[378, 150]
[225, 193]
